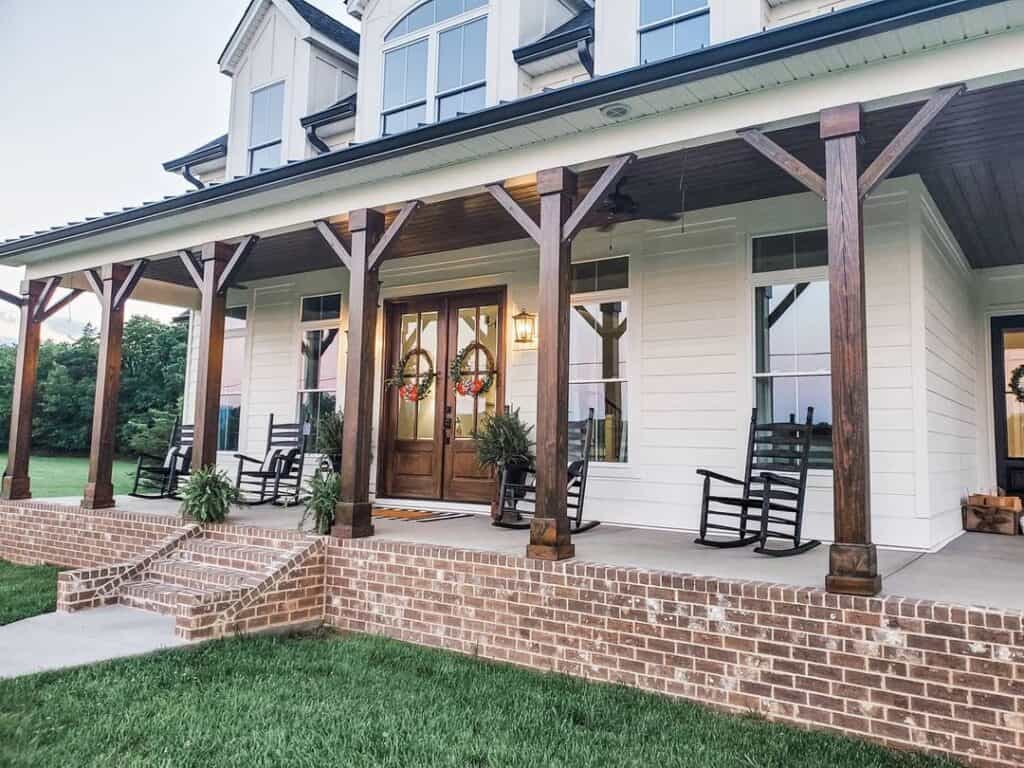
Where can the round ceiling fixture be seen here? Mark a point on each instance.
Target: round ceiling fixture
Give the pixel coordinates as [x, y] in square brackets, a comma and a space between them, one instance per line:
[616, 111]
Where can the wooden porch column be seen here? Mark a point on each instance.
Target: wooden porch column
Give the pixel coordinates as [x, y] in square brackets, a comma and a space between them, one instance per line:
[16, 484]
[99, 490]
[549, 530]
[853, 562]
[214, 258]
[354, 512]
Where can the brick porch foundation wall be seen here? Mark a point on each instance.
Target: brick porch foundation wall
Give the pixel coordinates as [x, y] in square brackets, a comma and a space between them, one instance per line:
[32, 533]
[910, 674]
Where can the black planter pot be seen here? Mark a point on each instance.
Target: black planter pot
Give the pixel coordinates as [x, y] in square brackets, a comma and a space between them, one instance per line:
[514, 473]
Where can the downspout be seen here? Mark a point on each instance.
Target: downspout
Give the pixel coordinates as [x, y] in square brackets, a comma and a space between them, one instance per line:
[586, 57]
[316, 141]
[186, 171]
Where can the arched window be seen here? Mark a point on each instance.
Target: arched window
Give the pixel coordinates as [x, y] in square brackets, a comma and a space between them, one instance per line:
[435, 64]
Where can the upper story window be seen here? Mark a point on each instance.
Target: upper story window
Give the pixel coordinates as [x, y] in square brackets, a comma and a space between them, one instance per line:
[266, 122]
[437, 68]
[672, 27]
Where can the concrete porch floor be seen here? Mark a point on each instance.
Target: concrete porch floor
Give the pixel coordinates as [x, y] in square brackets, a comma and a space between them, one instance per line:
[975, 569]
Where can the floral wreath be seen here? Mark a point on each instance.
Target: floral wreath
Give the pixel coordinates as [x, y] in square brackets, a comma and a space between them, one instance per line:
[472, 386]
[418, 389]
[1015, 383]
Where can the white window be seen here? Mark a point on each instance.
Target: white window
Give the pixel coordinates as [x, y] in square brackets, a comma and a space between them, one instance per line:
[266, 122]
[672, 28]
[435, 64]
[318, 362]
[232, 375]
[792, 343]
[599, 344]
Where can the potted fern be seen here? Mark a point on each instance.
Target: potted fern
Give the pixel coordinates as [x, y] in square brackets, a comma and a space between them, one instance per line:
[208, 496]
[324, 491]
[329, 432]
[504, 444]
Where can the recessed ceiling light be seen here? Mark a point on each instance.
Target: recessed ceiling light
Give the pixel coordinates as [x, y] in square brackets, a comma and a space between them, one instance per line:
[615, 111]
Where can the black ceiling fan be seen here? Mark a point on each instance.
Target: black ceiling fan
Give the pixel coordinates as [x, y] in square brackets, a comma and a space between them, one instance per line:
[620, 207]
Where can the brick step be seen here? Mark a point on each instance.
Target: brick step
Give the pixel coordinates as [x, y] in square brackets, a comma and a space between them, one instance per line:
[153, 595]
[226, 554]
[266, 538]
[202, 576]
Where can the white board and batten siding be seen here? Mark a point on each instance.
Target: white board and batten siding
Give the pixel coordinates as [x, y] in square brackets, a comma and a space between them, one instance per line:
[691, 353]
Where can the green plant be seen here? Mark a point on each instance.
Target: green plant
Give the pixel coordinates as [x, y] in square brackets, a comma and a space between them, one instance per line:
[324, 491]
[208, 496]
[503, 440]
[150, 433]
[329, 432]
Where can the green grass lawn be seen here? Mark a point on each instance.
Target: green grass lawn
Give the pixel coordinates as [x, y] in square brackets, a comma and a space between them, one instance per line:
[26, 590]
[359, 701]
[67, 475]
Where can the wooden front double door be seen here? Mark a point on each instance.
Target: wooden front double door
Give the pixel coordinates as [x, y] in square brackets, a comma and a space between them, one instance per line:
[426, 442]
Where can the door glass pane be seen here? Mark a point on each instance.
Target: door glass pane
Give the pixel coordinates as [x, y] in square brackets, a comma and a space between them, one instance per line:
[427, 407]
[406, 420]
[1013, 357]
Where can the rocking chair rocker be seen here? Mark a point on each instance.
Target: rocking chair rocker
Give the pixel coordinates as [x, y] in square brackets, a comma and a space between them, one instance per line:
[771, 504]
[157, 477]
[514, 491]
[277, 477]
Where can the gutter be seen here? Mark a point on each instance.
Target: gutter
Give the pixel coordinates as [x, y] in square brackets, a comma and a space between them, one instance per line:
[550, 46]
[342, 110]
[859, 21]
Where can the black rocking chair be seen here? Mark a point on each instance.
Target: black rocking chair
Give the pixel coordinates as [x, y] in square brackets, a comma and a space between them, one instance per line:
[519, 485]
[277, 477]
[157, 477]
[771, 505]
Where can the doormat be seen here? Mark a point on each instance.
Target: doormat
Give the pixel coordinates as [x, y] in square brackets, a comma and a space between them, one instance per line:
[417, 515]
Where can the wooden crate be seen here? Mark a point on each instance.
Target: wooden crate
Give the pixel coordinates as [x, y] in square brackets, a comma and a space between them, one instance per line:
[1002, 502]
[985, 519]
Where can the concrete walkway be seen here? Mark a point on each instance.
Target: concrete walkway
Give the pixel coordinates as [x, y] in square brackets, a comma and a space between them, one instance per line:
[59, 640]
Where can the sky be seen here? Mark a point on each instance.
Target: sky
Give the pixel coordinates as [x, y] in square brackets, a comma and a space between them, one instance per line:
[96, 95]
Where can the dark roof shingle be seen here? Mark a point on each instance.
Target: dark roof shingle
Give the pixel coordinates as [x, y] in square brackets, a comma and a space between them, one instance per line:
[327, 25]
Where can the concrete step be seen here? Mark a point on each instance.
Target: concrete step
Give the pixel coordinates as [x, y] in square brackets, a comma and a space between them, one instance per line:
[202, 576]
[226, 554]
[153, 595]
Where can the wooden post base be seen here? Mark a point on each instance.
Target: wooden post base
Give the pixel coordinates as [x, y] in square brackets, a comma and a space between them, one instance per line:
[547, 542]
[16, 489]
[853, 570]
[353, 520]
[98, 496]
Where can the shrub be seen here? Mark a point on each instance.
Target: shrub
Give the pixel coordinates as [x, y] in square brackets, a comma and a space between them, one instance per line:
[503, 440]
[329, 432]
[208, 496]
[324, 492]
[151, 433]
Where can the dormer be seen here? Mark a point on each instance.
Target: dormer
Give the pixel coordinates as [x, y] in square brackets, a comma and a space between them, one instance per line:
[287, 60]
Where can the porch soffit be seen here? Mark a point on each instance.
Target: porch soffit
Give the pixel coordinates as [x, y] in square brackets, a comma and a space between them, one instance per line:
[368, 166]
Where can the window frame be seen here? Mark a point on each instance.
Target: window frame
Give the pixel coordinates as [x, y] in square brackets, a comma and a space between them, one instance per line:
[642, 29]
[628, 295]
[432, 36]
[277, 142]
[318, 325]
[779, 277]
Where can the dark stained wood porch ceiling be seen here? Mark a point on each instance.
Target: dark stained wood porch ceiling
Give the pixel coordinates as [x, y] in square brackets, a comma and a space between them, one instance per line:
[972, 161]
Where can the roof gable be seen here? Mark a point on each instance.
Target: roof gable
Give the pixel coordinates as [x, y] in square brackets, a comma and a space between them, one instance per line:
[312, 25]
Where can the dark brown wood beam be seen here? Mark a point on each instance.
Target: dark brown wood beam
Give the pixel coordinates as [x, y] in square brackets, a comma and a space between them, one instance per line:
[549, 530]
[50, 285]
[906, 139]
[99, 490]
[242, 252]
[135, 273]
[210, 363]
[521, 217]
[10, 298]
[354, 513]
[334, 243]
[853, 560]
[383, 246]
[597, 193]
[787, 162]
[58, 305]
[16, 483]
[190, 267]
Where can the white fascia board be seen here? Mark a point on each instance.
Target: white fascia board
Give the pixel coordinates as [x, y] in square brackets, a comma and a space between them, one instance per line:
[253, 17]
[390, 181]
[318, 40]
